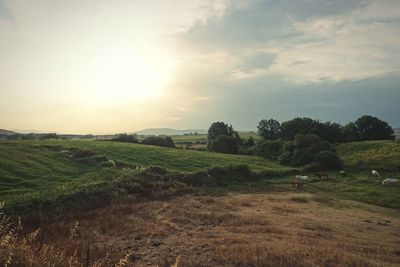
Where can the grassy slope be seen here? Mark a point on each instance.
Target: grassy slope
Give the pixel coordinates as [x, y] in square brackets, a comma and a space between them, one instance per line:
[31, 168]
[35, 168]
[359, 159]
[368, 155]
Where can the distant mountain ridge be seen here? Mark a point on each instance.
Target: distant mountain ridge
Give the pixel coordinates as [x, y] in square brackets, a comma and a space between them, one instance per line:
[7, 132]
[169, 131]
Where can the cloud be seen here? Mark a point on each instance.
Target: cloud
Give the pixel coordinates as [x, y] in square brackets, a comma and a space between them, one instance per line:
[302, 41]
[337, 59]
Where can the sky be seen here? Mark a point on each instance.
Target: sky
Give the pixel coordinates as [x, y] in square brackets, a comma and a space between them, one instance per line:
[111, 66]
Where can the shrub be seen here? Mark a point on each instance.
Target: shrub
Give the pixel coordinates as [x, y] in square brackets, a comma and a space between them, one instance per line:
[155, 170]
[83, 153]
[270, 150]
[226, 144]
[309, 149]
[127, 138]
[158, 141]
[328, 160]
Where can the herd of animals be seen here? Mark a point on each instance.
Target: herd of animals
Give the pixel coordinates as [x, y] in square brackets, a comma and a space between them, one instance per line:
[299, 180]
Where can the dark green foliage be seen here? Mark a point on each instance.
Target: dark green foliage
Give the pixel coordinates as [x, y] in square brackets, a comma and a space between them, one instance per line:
[158, 141]
[270, 150]
[349, 133]
[219, 128]
[82, 153]
[297, 126]
[49, 136]
[372, 128]
[327, 160]
[127, 138]
[250, 141]
[223, 138]
[226, 144]
[328, 131]
[269, 129]
[306, 149]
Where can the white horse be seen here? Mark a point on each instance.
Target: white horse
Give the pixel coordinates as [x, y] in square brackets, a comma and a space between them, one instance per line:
[375, 173]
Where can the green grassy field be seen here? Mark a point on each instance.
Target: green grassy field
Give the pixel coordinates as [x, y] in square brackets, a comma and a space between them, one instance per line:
[29, 168]
[203, 137]
[34, 170]
[383, 156]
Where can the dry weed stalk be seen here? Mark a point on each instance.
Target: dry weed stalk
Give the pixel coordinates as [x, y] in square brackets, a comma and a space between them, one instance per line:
[19, 249]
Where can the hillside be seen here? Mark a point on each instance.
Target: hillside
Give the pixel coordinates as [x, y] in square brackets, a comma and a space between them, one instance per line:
[37, 170]
[29, 167]
[368, 155]
[7, 132]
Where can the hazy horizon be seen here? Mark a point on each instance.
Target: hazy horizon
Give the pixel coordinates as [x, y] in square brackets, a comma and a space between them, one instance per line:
[123, 66]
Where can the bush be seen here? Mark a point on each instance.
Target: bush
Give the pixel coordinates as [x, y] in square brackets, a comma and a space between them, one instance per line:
[309, 149]
[84, 153]
[328, 160]
[158, 141]
[270, 150]
[245, 150]
[127, 138]
[226, 144]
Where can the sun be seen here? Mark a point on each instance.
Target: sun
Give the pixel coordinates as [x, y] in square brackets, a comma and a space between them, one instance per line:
[120, 74]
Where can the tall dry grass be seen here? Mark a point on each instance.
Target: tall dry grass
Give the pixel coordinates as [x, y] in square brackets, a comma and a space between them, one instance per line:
[18, 248]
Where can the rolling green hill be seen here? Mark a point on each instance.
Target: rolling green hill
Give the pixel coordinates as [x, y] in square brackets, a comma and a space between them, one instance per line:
[36, 170]
[368, 155]
[29, 167]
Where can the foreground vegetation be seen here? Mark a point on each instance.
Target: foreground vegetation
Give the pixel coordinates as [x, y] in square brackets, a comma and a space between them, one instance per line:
[51, 183]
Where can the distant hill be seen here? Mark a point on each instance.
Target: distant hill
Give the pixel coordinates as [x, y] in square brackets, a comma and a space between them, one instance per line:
[7, 132]
[169, 131]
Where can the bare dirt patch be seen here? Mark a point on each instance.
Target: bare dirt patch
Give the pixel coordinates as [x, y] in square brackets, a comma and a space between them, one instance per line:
[284, 229]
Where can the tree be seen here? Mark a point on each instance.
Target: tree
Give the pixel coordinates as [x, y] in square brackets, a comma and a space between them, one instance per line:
[218, 129]
[372, 128]
[328, 131]
[349, 133]
[298, 126]
[307, 149]
[269, 129]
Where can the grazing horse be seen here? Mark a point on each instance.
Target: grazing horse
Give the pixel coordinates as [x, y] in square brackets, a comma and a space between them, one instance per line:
[297, 183]
[375, 173]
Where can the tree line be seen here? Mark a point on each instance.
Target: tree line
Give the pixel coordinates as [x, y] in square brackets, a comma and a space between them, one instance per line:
[300, 141]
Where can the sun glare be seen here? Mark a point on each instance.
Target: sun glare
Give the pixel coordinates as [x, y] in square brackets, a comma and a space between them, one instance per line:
[124, 74]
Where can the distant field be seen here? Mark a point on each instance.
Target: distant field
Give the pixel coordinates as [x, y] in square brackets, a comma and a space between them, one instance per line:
[203, 137]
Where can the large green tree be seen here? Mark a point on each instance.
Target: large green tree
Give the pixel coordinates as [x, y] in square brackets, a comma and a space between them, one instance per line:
[269, 129]
[373, 128]
[218, 129]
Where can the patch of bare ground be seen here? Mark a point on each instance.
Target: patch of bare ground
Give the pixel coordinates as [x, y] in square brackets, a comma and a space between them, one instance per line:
[284, 229]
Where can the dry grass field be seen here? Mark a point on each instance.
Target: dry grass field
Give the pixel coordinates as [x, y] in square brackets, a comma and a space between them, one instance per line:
[275, 229]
